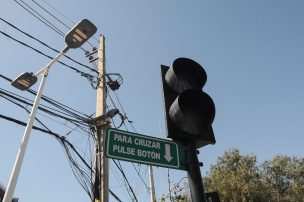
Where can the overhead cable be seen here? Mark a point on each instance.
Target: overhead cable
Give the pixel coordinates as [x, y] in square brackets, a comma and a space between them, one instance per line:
[125, 178]
[48, 132]
[79, 173]
[42, 107]
[42, 19]
[67, 18]
[47, 3]
[46, 45]
[39, 17]
[86, 75]
[51, 14]
[55, 103]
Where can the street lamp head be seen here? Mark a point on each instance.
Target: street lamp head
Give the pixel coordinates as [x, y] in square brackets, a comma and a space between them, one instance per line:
[74, 39]
[24, 81]
[80, 34]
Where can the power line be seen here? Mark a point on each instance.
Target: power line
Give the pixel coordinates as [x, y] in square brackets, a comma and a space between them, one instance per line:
[133, 129]
[52, 102]
[76, 120]
[6, 78]
[115, 196]
[46, 45]
[120, 181]
[75, 117]
[140, 177]
[77, 124]
[60, 21]
[125, 117]
[125, 177]
[119, 81]
[81, 175]
[51, 14]
[71, 21]
[67, 18]
[62, 112]
[48, 131]
[40, 18]
[86, 75]
[37, 15]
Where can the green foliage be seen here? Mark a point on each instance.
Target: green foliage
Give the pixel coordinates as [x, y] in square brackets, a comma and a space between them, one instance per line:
[239, 178]
[285, 178]
[236, 177]
[179, 193]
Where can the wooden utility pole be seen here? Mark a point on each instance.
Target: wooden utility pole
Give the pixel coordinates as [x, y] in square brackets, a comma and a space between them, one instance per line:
[101, 161]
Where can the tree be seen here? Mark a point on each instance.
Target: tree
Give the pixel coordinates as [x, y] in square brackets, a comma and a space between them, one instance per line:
[239, 178]
[179, 193]
[297, 187]
[236, 177]
[285, 178]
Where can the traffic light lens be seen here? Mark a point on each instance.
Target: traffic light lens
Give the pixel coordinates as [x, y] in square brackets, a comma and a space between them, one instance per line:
[193, 111]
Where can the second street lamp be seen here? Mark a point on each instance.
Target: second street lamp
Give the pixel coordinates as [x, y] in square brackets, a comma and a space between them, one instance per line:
[74, 39]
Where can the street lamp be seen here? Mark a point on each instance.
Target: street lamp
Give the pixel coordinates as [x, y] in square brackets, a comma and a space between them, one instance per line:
[76, 37]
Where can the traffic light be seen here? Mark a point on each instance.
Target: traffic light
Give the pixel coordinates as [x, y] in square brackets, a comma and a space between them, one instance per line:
[189, 111]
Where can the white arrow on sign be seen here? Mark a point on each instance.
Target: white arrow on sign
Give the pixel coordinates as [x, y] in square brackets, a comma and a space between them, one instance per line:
[168, 156]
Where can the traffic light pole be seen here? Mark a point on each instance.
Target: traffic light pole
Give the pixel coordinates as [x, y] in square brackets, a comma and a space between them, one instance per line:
[101, 161]
[189, 115]
[194, 174]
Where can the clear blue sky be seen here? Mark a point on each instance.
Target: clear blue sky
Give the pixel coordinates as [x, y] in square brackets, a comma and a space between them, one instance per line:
[252, 52]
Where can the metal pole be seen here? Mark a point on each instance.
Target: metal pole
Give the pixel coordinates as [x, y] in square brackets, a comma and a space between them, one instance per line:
[102, 161]
[152, 188]
[17, 166]
[194, 174]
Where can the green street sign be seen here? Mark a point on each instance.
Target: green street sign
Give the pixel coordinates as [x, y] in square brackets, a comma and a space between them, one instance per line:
[144, 149]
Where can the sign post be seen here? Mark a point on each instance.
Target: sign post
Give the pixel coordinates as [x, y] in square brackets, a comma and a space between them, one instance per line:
[143, 149]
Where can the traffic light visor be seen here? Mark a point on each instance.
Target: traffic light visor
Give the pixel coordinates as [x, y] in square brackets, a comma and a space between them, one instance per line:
[185, 74]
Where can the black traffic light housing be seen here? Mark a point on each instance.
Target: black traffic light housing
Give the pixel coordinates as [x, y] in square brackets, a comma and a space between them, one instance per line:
[189, 111]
